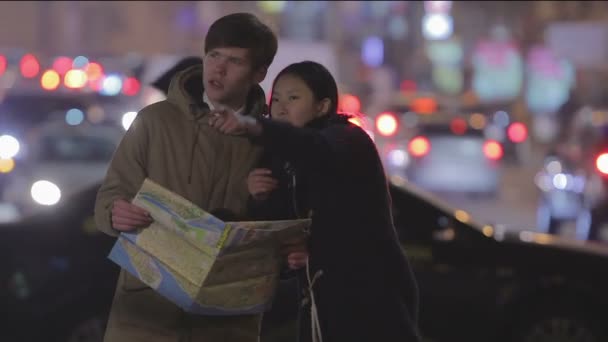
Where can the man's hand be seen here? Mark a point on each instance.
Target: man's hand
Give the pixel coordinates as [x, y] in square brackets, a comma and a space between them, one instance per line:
[261, 184]
[228, 121]
[127, 217]
[297, 254]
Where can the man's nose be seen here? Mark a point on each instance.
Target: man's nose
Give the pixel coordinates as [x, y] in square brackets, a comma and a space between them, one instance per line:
[220, 66]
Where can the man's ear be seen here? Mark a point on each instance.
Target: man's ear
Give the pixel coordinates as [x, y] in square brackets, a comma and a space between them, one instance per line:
[323, 107]
[260, 74]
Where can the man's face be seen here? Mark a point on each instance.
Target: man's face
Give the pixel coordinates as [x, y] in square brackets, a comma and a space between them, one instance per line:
[228, 75]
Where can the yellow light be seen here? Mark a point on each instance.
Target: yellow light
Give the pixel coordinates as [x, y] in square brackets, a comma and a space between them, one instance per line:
[75, 79]
[462, 216]
[477, 121]
[487, 231]
[6, 165]
[50, 80]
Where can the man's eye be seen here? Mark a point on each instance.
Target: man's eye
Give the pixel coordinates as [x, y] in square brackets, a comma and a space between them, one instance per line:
[293, 97]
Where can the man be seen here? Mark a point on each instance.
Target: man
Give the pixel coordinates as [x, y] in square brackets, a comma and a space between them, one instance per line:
[171, 143]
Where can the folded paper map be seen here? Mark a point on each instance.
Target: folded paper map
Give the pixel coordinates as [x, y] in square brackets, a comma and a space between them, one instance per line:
[202, 264]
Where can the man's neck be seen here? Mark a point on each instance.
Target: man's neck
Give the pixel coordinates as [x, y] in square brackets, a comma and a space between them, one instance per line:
[236, 106]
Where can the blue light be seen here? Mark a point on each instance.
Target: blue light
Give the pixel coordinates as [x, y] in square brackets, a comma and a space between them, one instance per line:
[373, 51]
[80, 62]
[111, 85]
[74, 117]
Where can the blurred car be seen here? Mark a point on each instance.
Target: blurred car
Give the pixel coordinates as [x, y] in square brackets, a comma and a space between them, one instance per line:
[61, 160]
[592, 223]
[440, 153]
[483, 283]
[56, 283]
[572, 183]
[561, 183]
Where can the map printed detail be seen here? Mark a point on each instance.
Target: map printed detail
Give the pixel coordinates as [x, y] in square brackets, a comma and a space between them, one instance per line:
[200, 263]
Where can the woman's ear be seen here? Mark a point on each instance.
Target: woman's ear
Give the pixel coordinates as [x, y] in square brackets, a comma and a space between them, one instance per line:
[323, 107]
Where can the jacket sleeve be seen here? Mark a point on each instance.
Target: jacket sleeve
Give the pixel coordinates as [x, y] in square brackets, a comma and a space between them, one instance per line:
[125, 174]
[311, 150]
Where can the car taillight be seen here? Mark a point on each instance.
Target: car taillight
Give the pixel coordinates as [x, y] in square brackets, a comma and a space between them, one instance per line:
[419, 146]
[387, 124]
[492, 150]
[517, 132]
[601, 162]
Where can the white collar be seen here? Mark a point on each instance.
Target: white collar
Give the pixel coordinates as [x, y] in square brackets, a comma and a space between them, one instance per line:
[212, 107]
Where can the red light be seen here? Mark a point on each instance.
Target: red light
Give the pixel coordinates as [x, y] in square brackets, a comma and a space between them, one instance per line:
[386, 123]
[601, 162]
[350, 103]
[62, 65]
[458, 126]
[419, 146]
[517, 132]
[2, 64]
[408, 87]
[492, 150]
[29, 66]
[131, 86]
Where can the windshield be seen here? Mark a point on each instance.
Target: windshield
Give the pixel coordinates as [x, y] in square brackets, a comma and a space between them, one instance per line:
[75, 148]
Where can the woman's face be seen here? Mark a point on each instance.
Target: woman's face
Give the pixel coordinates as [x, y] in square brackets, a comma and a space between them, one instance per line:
[294, 102]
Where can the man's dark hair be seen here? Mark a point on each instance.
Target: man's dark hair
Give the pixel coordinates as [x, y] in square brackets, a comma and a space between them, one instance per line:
[243, 30]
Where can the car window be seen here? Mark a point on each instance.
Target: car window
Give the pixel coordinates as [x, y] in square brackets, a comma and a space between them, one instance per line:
[69, 148]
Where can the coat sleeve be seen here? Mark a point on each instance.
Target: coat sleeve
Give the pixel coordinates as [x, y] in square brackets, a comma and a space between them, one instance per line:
[311, 150]
[125, 174]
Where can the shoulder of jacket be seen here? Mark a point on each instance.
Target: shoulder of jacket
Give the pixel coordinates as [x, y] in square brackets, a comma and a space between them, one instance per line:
[158, 109]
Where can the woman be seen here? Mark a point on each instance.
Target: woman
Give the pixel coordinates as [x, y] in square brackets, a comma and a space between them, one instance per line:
[362, 287]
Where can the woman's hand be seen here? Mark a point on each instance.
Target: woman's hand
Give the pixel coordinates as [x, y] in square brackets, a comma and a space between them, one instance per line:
[229, 122]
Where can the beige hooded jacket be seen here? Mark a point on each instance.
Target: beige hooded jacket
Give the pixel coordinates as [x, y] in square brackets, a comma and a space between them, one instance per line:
[171, 143]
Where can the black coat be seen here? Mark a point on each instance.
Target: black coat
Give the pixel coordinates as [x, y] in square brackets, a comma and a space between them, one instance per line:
[367, 291]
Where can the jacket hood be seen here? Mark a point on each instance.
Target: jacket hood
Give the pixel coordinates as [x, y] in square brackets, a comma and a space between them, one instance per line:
[186, 92]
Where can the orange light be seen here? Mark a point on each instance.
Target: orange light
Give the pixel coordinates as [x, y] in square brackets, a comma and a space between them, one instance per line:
[386, 123]
[419, 146]
[29, 66]
[50, 80]
[75, 79]
[350, 103]
[131, 86]
[94, 71]
[602, 163]
[517, 132]
[458, 126]
[2, 64]
[6, 165]
[492, 150]
[62, 65]
[424, 105]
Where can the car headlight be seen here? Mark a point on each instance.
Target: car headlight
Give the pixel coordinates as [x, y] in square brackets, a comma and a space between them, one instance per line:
[9, 146]
[45, 192]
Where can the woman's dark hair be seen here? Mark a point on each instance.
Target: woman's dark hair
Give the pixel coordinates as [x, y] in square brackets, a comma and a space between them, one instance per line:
[243, 30]
[163, 82]
[317, 78]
